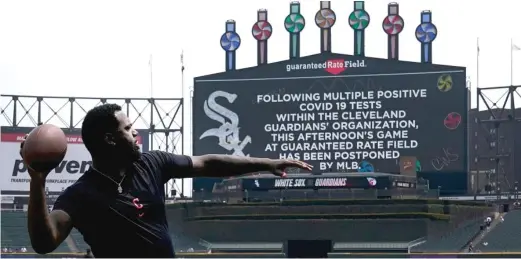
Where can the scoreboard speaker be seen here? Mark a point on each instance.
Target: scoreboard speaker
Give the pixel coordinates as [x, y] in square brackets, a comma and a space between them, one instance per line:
[308, 248]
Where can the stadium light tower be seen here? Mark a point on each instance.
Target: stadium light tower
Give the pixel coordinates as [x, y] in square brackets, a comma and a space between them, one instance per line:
[499, 136]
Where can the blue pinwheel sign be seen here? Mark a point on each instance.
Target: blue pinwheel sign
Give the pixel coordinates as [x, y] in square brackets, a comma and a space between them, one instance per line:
[426, 33]
[230, 42]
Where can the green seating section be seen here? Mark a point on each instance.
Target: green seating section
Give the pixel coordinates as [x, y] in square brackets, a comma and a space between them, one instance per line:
[452, 241]
[15, 236]
[505, 236]
[78, 239]
[14, 232]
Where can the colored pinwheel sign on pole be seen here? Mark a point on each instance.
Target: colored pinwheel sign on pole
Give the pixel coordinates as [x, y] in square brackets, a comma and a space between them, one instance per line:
[325, 19]
[294, 24]
[426, 33]
[230, 42]
[393, 24]
[359, 21]
[261, 31]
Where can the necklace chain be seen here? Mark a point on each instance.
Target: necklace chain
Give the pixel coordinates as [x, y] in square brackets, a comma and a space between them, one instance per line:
[120, 189]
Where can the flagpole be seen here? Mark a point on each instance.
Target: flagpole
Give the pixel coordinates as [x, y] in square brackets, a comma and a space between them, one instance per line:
[182, 194]
[477, 106]
[151, 78]
[477, 63]
[182, 75]
[511, 61]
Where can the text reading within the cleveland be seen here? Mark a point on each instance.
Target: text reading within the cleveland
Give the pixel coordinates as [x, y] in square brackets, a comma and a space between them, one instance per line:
[352, 115]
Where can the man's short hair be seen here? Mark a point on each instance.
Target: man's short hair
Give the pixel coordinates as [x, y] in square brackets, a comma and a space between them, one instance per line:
[99, 121]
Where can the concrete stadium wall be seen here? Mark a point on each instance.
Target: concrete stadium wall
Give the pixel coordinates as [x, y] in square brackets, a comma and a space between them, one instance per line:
[188, 219]
[282, 230]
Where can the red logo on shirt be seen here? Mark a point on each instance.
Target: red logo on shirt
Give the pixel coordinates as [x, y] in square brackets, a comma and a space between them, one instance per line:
[138, 206]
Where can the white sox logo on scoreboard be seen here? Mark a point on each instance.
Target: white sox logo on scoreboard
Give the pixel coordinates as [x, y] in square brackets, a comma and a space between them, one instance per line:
[228, 132]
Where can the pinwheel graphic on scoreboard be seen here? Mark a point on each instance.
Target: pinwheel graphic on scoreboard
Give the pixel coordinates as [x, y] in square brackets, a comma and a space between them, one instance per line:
[325, 19]
[426, 33]
[359, 21]
[294, 24]
[230, 42]
[445, 83]
[261, 31]
[393, 24]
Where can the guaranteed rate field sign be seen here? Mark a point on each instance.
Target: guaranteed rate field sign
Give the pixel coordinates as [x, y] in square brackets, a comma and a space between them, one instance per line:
[357, 118]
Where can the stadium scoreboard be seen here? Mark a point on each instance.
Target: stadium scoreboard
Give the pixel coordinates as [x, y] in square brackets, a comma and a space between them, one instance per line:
[336, 124]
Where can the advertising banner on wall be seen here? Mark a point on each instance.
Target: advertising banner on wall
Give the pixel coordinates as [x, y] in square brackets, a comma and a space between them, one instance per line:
[15, 179]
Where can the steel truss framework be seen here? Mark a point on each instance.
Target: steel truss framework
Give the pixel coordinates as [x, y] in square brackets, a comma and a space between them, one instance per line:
[500, 104]
[162, 117]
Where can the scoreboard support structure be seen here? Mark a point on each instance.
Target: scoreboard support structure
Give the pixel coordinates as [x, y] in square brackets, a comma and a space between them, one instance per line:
[500, 103]
[162, 117]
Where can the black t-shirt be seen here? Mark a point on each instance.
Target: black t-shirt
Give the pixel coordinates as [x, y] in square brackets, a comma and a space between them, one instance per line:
[131, 224]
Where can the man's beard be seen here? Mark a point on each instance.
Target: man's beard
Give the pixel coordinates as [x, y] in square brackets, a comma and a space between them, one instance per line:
[136, 154]
[130, 154]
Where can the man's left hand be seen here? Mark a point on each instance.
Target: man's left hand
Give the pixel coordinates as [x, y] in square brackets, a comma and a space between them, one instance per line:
[278, 166]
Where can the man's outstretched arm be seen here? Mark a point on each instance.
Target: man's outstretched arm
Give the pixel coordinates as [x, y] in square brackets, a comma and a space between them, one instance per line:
[180, 166]
[226, 165]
